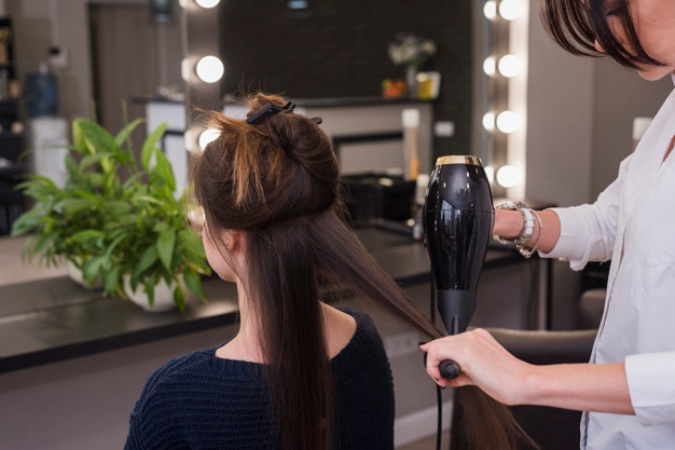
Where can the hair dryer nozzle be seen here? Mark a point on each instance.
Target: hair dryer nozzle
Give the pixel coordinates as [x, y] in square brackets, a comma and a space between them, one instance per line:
[456, 309]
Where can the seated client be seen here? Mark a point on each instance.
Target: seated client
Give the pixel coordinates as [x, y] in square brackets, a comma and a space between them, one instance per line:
[300, 374]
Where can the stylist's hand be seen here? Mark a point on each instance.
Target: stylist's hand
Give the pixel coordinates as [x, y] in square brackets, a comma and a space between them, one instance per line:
[483, 362]
[508, 223]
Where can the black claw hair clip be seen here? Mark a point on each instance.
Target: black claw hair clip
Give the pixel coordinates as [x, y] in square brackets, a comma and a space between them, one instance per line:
[269, 110]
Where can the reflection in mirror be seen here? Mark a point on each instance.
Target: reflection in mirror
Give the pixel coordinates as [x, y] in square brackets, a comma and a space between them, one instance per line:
[340, 50]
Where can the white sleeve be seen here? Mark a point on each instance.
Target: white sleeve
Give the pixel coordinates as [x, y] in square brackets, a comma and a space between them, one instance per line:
[587, 232]
[652, 390]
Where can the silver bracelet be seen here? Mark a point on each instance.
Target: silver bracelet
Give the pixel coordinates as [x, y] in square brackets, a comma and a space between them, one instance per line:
[528, 223]
[528, 252]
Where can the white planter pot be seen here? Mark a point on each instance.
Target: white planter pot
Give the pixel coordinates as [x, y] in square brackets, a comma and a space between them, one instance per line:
[163, 296]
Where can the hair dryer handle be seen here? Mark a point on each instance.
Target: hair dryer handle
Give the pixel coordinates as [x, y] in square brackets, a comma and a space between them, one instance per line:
[449, 369]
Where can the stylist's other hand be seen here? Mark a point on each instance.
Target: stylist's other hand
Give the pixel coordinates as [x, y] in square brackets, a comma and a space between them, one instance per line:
[483, 362]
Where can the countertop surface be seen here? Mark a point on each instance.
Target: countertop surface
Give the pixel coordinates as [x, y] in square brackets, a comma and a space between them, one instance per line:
[46, 317]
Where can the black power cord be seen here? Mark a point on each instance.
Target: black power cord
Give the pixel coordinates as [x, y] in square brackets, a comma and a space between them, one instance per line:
[439, 398]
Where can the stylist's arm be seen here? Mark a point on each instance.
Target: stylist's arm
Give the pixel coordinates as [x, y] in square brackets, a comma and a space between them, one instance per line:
[486, 364]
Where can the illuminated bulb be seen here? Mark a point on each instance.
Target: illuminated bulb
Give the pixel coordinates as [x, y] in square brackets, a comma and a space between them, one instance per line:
[489, 66]
[489, 121]
[207, 3]
[490, 173]
[510, 66]
[210, 69]
[508, 176]
[207, 136]
[508, 122]
[510, 9]
[186, 69]
[490, 10]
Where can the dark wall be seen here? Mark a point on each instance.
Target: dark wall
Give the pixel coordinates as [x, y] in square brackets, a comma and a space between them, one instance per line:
[338, 48]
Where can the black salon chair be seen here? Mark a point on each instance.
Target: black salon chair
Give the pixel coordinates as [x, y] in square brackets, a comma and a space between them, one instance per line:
[555, 428]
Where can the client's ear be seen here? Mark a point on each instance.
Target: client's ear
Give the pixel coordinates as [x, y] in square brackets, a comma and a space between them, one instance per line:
[233, 239]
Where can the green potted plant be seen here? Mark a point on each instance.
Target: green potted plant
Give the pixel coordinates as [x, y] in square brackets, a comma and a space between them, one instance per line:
[116, 220]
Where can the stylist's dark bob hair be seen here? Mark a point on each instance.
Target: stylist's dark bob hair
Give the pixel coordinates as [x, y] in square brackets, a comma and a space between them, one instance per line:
[576, 24]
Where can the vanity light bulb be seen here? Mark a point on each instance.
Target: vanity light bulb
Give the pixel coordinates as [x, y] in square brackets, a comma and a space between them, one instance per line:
[508, 176]
[490, 173]
[207, 136]
[207, 3]
[511, 9]
[210, 69]
[489, 66]
[508, 122]
[489, 121]
[490, 10]
[510, 66]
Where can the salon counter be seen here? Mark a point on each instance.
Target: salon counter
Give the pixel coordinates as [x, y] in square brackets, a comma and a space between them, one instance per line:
[51, 318]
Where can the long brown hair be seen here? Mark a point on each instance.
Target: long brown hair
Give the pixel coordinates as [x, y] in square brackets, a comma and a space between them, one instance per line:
[279, 182]
[576, 24]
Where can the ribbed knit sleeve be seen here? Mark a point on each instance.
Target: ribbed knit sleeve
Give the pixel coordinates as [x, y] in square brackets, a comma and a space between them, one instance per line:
[201, 401]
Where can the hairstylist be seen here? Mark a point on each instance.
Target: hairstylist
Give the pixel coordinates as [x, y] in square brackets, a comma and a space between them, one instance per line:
[628, 389]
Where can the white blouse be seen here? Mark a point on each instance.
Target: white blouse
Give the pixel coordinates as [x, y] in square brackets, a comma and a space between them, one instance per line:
[633, 223]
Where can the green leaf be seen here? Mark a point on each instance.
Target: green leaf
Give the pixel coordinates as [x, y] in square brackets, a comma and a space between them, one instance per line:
[38, 243]
[191, 243]
[83, 236]
[26, 222]
[150, 145]
[111, 248]
[73, 205]
[194, 282]
[39, 187]
[150, 283]
[160, 227]
[163, 171]
[92, 268]
[95, 180]
[79, 143]
[117, 208]
[165, 245]
[126, 131]
[91, 159]
[73, 168]
[179, 297]
[147, 259]
[111, 281]
[132, 180]
[97, 138]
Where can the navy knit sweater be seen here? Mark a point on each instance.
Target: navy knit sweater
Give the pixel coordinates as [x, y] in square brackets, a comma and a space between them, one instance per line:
[200, 401]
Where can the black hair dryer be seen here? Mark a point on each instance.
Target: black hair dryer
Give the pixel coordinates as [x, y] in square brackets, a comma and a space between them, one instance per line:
[458, 217]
